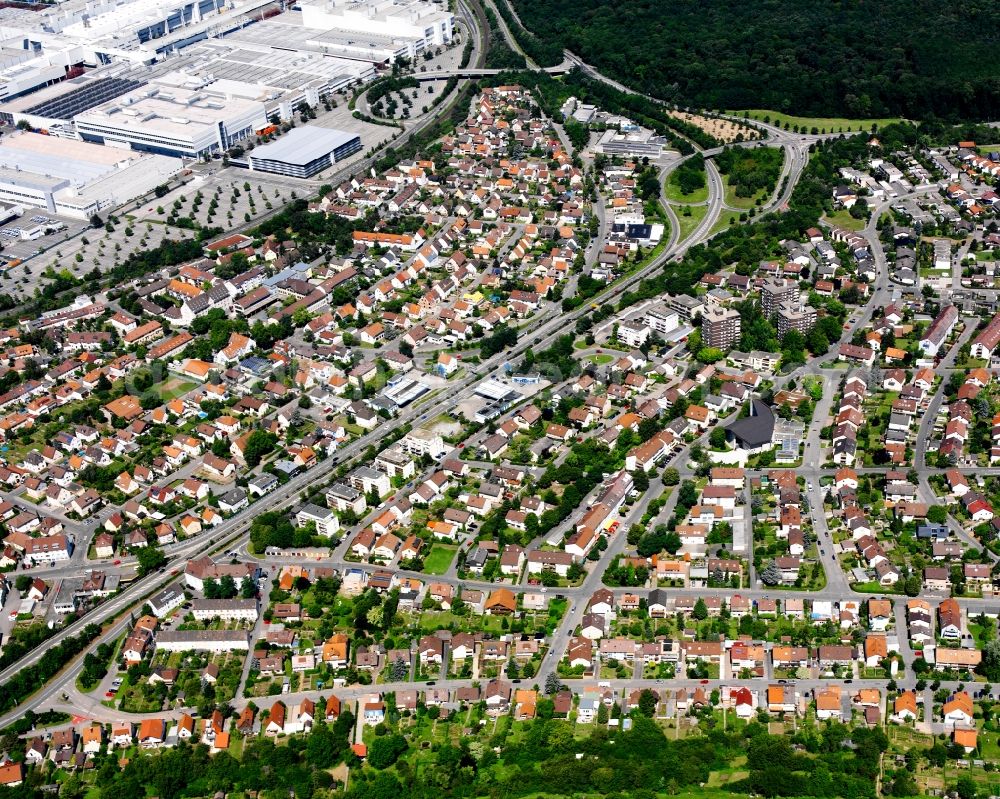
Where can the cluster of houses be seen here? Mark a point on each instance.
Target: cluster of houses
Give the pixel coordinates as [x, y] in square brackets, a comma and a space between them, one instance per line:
[76, 747]
[791, 525]
[849, 418]
[179, 493]
[947, 646]
[976, 505]
[596, 643]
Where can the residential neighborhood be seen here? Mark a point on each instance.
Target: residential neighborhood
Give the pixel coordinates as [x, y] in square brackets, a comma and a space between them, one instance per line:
[576, 424]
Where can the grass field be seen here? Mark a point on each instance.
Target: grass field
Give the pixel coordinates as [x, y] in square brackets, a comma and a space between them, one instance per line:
[989, 746]
[743, 203]
[439, 559]
[689, 223]
[831, 124]
[174, 387]
[845, 220]
[674, 194]
[726, 219]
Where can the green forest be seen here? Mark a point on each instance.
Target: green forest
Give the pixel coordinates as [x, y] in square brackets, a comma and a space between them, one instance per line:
[855, 58]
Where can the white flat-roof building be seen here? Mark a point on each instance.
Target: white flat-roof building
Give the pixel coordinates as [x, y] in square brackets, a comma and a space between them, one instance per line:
[136, 31]
[19, 75]
[426, 24]
[252, 65]
[172, 120]
[636, 143]
[421, 441]
[302, 152]
[327, 523]
[74, 178]
[227, 609]
[364, 48]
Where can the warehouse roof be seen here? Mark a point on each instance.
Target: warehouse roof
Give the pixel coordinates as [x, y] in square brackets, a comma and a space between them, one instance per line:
[303, 145]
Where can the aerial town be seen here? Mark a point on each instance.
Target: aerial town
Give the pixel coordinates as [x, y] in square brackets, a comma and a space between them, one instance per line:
[381, 412]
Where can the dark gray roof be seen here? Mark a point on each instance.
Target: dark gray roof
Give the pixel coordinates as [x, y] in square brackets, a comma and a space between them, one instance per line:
[754, 430]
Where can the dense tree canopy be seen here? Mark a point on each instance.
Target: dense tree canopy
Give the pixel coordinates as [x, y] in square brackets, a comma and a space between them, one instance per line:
[750, 170]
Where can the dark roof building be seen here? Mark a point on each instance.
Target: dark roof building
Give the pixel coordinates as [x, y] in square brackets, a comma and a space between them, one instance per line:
[756, 430]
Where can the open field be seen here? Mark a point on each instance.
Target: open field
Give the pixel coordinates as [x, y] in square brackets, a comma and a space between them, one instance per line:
[835, 124]
[674, 195]
[689, 223]
[725, 220]
[845, 220]
[743, 203]
[439, 559]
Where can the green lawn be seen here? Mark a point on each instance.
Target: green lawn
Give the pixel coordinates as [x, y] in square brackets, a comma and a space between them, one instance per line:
[674, 194]
[989, 746]
[726, 219]
[844, 219]
[602, 359]
[174, 387]
[689, 223]
[439, 559]
[431, 620]
[831, 124]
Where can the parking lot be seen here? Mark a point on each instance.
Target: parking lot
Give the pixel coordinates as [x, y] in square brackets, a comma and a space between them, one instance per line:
[16, 247]
[225, 197]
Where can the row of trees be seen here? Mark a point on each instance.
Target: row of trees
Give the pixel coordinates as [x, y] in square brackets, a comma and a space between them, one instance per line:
[543, 51]
[28, 679]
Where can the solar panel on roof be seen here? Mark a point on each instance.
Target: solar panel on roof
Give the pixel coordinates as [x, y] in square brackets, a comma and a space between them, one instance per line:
[82, 99]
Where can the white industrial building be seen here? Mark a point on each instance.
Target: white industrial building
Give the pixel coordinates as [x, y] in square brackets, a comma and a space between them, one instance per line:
[23, 70]
[426, 25]
[74, 178]
[632, 143]
[96, 32]
[173, 120]
[183, 79]
[251, 65]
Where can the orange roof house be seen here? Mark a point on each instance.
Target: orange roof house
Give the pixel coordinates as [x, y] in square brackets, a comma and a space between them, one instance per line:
[335, 649]
[969, 739]
[125, 407]
[501, 601]
[905, 704]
